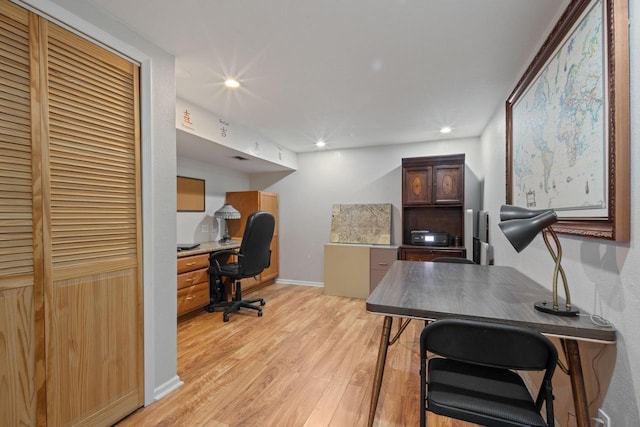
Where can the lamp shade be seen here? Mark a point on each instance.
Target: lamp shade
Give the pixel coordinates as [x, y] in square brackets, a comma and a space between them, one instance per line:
[227, 212]
[520, 232]
[509, 212]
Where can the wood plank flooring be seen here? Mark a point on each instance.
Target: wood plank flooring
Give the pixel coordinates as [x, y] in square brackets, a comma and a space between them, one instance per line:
[308, 361]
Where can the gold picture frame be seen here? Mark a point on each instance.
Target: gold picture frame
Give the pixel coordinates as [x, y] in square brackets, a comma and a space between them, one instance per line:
[190, 196]
[612, 220]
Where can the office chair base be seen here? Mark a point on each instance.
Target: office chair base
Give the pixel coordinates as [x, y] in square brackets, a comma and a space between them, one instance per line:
[236, 304]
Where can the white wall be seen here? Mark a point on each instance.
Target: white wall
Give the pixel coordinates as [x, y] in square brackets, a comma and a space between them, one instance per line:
[218, 181]
[324, 178]
[603, 276]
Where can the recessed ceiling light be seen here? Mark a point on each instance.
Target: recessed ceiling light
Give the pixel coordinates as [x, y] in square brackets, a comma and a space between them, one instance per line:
[232, 83]
[446, 129]
[320, 144]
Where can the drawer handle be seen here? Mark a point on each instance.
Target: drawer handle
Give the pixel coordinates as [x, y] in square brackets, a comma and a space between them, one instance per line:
[189, 280]
[189, 298]
[191, 263]
[383, 263]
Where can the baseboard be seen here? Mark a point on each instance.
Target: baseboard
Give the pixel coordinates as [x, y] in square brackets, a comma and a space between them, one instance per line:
[299, 282]
[166, 388]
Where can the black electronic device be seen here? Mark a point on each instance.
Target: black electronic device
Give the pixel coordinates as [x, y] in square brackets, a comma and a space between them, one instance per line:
[429, 238]
[187, 246]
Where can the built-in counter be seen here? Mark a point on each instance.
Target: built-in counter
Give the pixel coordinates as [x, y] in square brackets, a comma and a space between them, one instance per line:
[208, 247]
[193, 275]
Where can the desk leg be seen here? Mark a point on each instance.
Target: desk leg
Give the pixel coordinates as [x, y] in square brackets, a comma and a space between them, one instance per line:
[580, 403]
[382, 358]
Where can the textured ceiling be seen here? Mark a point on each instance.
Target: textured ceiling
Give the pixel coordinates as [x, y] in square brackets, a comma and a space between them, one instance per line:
[354, 73]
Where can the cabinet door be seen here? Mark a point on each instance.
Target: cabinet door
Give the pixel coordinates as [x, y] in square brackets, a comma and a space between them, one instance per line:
[418, 186]
[271, 272]
[269, 203]
[449, 184]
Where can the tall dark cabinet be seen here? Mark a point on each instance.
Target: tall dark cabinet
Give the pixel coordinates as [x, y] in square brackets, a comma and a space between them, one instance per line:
[433, 200]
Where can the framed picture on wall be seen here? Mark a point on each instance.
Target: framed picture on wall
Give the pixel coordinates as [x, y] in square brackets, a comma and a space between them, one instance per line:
[190, 196]
[568, 124]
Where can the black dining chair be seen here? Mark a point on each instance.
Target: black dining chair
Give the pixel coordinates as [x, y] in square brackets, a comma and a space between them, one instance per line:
[473, 377]
[253, 257]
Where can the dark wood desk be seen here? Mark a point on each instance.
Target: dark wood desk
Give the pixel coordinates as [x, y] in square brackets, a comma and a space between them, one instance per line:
[432, 291]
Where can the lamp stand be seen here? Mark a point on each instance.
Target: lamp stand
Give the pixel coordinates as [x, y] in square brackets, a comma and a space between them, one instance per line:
[226, 238]
[553, 308]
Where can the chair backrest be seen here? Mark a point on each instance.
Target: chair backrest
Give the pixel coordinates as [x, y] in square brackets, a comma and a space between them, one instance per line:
[475, 345]
[453, 260]
[255, 252]
[490, 344]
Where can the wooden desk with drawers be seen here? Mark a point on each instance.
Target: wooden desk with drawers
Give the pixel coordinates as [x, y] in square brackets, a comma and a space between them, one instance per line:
[193, 275]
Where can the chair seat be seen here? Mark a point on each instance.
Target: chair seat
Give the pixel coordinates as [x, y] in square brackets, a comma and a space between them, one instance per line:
[230, 269]
[486, 395]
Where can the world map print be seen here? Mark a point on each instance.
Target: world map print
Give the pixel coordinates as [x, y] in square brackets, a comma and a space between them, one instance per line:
[559, 125]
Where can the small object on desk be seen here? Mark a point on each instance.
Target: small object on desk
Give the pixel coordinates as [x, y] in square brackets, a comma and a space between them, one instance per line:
[226, 212]
[187, 246]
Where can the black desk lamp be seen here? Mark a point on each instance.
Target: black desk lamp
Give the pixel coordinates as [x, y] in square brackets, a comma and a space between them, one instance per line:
[226, 212]
[521, 226]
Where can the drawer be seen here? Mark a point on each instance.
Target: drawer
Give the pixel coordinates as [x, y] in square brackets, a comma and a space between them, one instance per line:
[427, 254]
[381, 259]
[194, 262]
[193, 297]
[192, 277]
[375, 276]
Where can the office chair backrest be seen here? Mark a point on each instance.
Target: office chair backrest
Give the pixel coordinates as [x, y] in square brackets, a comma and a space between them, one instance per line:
[255, 252]
[491, 344]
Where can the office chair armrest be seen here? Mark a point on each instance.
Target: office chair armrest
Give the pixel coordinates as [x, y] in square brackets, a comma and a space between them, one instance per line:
[213, 258]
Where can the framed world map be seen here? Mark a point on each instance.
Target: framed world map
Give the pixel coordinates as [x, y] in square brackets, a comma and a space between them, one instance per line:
[568, 124]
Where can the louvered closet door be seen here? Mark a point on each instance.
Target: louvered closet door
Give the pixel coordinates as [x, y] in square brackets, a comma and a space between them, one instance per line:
[20, 260]
[92, 263]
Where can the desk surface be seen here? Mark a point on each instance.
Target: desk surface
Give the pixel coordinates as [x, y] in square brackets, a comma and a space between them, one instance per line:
[206, 247]
[427, 290]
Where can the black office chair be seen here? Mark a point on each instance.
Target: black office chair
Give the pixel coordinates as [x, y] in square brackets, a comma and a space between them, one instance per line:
[473, 379]
[253, 256]
[453, 260]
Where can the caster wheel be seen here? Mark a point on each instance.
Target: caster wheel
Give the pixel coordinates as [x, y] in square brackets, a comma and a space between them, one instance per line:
[259, 314]
[262, 302]
[225, 318]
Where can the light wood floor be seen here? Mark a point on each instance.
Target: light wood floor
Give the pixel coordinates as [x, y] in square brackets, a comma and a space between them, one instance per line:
[308, 361]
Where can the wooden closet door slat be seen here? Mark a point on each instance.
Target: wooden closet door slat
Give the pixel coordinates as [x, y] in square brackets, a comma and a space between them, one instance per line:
[92, 245]
[20, 274]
